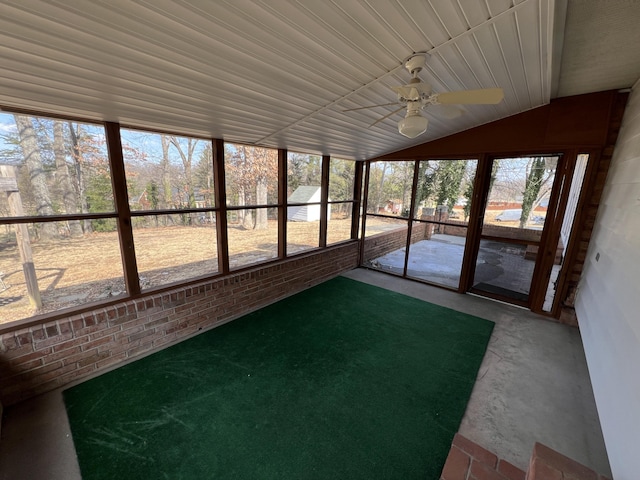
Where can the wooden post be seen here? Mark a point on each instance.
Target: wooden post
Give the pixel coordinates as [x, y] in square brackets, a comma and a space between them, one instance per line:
[9, 185]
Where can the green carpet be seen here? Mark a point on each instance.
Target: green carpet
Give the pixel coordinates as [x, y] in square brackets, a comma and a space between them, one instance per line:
[342, 381]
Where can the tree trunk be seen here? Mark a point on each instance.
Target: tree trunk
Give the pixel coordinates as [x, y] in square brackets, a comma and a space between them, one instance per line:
[245, 217]
[167, 196]
[64, 180]
[261, 199]
[77, 159]
[37, 176]
[240, 213]
[531, 189]
[380, 192]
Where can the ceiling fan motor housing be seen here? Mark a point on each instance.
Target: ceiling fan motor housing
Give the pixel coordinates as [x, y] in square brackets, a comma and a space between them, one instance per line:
[415, 64]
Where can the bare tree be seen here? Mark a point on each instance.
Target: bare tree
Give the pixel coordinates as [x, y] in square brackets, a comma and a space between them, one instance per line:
[537, 177]
[166, 176]
[37, 175]
[63, 179]
[78, 159]
[251, 171]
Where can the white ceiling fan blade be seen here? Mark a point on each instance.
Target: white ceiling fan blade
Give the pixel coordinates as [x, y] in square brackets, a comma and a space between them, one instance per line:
[370, 106]
[446, 111]
[485, 96]
[408, 92]
[386, 116]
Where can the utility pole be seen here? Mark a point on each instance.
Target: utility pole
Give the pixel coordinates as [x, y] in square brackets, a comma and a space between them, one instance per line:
[9, 185]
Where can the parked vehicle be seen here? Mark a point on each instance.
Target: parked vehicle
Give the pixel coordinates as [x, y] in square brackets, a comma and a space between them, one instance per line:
[514, 214]
[509, 215]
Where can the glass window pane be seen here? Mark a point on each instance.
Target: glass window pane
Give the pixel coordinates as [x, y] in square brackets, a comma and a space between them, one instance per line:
[166, 172]
[304, 177]
[64, 272]
[174, 248]
[251, 175]
[341, 179]
[445, 190]
[390, 188]
[385, 243]
[302, 235]
[339, 222]
[505, 269]
[253, 236]
[53, 167]
[519, 197]
[436, 253]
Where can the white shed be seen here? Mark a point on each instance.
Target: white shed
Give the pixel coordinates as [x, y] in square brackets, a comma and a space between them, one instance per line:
[304, 213]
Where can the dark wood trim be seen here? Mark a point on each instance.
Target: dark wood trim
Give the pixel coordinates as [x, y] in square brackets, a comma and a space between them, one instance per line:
[56, 218]
[474, 227]
[392, 217]
[324, 198]
[172, 211]
[414, 185]
[231, 208]
[582, 212]
[282, 202]
[502, 298]
[434, 222]
[357, 199]
[570, 172]
[220, 193]
[363, 228]
[580, 121]
[121, 197]
[551, 231]
[41, 114]
[414, 189]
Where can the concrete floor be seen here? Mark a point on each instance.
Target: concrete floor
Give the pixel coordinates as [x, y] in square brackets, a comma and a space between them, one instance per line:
[439, 261]
[533, 386]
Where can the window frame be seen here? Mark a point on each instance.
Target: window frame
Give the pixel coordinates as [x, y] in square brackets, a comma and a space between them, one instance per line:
[123, 215]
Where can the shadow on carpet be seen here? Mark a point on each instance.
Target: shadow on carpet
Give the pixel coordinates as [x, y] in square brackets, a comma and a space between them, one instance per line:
[342, 381]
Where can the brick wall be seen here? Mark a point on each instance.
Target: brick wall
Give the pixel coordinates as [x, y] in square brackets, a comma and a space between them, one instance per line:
[41, 358]
[469, 461]
[458, 228]
[383, 243]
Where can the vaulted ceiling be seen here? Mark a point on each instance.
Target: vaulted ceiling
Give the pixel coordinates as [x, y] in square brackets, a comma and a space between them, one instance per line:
[281, 73]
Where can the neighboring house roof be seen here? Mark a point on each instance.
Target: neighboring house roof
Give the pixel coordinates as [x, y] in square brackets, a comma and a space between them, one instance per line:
[305, 194]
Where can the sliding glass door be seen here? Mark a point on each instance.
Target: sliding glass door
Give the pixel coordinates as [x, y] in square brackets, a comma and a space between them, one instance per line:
[492, 226]
[513, 220]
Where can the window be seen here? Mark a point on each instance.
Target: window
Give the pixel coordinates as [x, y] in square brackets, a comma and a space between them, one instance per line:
[341, 201]
[63, 251]
[390, 186]
[304, 192]
[251, 175]
[171, 195]
[66, 207]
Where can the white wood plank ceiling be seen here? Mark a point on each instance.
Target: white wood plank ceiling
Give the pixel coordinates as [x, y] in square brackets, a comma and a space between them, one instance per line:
[276, 73]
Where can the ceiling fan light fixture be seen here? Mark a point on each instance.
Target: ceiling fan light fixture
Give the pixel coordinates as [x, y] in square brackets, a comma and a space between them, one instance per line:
[413, 124]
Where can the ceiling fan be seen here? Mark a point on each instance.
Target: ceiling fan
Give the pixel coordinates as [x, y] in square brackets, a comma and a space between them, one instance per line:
[417, 95]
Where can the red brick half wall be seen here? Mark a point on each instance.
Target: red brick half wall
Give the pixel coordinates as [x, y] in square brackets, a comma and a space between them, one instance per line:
[41, 358]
